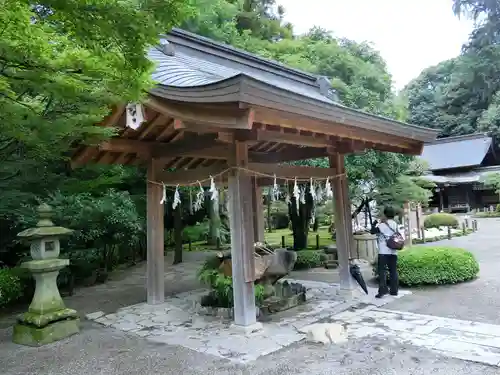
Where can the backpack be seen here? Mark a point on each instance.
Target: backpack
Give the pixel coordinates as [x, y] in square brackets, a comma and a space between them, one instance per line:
[395, 241]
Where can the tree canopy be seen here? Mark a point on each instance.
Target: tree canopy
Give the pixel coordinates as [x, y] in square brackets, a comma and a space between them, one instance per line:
[64, 64]
[462, 95]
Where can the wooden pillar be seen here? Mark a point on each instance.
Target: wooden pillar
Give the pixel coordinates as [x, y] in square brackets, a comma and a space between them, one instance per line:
[343, 221]
[441, 203]
[155, 238]
[258, 212]
[408, 225]
[242, 239]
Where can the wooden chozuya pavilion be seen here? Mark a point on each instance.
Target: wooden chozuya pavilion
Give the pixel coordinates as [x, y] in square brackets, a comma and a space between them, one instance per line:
[216, 107]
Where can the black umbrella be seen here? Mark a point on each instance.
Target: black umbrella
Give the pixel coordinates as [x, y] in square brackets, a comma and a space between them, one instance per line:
[356, 274]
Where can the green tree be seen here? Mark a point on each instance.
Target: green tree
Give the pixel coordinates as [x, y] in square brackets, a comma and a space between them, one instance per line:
[65, 63]
[460, 96]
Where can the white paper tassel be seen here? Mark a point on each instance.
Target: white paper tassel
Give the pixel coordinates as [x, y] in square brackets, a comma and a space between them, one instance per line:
[200, 196]
[287, 194]
[319, 193]
[164, 195]
[303, 196]
[177, 198]
[328, 189]
[296, 193]
[276, 190]
[312, 190]
[135, 115]
[213, 190]
[313, 217]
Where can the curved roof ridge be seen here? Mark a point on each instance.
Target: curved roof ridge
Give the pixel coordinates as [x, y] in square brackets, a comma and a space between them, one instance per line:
[191, 40]
[458, 138]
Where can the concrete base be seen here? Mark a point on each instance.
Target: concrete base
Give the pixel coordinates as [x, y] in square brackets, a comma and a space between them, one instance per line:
[246, 330]
[34, 336]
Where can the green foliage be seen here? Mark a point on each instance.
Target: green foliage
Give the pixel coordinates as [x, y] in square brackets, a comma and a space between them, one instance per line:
[462, 95]
[10, 287]
[279, 215]
[109, 222]
[59, 76]
[436, 265]
[441, 219]
[221, 294]
[197, 232]
[426, 265]
[309, 259]
[492, 180]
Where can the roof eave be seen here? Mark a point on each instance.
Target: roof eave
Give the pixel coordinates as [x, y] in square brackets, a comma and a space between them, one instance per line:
[244, 89]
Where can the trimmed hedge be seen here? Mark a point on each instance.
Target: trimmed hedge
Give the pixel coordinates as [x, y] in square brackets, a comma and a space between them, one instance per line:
[10, 287]
[417, 241]
[441, 219]
[309, 259]
[435, 265]
[487, 214]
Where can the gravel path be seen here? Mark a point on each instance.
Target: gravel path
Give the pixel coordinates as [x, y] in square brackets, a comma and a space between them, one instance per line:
[102, 351]
[477, 300]
[98, 350]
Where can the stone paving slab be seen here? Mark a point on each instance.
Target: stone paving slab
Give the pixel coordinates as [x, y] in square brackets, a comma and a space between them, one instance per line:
[176, 322]
[468, 340]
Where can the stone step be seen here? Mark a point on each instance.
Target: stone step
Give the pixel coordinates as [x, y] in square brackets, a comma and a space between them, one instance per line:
[331, 264]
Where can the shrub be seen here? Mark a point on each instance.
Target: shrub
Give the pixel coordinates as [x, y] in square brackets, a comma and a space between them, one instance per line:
[441, 219]
[497, 208]
[309, 259]
[435, 265]
[222, 286]
[10, 287]
[487, 214]
[195, 233]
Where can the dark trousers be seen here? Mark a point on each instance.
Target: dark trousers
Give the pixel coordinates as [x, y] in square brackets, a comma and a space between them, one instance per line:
[386, 261]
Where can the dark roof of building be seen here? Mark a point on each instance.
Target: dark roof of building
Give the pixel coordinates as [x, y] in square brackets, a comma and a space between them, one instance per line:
[192, 68]
[470, 176]
[456, 152]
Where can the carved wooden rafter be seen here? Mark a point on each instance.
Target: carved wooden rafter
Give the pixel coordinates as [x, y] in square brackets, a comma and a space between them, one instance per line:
[223, 117]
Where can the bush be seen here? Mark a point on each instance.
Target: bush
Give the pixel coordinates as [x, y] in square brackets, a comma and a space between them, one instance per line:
[222, 286]
[10, 287]
[440, 220]
[309, 259]
[487, 214]
[196, 233]
[435, 265]
[279, 215]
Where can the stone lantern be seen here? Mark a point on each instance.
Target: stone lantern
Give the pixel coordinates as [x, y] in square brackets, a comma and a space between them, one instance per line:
[47, 319]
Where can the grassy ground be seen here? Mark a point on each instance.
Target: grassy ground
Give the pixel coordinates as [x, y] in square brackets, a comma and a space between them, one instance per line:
[273, 239]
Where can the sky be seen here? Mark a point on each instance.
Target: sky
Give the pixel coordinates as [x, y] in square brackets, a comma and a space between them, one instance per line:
[411, 35]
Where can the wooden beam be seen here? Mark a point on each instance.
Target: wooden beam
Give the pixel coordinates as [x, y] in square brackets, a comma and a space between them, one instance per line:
[185, 176]
[291, 154]
[189, 144]
[288, 120]
[83, 156]
[283, 137]
[114, 116]
[223, 118]
[291, 171]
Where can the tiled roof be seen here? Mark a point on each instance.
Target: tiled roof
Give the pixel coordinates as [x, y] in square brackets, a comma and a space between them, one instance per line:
[196, 69]
[456, 152]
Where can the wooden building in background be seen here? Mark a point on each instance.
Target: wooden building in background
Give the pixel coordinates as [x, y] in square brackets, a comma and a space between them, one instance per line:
[457, 166]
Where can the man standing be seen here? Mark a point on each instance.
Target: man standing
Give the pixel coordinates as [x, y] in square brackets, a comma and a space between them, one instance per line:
[387, 257]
